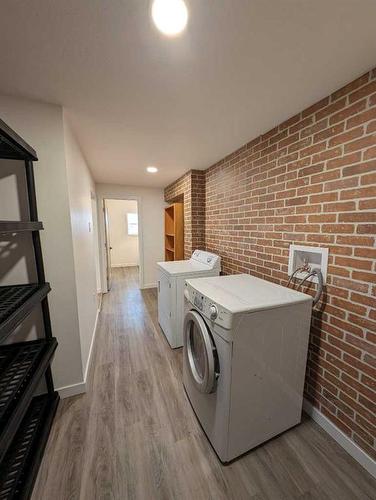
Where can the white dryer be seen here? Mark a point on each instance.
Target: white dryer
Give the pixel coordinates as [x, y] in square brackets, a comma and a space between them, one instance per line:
[171, 278]
[244, 359]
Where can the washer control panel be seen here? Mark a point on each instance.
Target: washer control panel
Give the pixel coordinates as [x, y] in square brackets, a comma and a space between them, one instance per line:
[212, 311]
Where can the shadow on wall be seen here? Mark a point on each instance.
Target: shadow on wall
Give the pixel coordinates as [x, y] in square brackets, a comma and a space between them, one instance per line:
[17, 264]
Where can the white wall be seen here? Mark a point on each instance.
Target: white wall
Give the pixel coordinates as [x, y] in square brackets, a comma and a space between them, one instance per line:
[81, 190]
[41, 125]
[151, 227]
[124, 246]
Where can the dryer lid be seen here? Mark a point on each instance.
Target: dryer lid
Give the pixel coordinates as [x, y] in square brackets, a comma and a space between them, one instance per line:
[200, 261]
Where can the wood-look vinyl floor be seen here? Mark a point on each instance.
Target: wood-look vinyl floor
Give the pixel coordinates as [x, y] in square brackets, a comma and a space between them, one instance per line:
[133, 435]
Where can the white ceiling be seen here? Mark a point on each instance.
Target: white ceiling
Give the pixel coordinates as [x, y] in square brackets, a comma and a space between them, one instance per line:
[136, 98]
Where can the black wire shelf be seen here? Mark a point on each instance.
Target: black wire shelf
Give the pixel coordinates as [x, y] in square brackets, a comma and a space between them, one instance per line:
[21, 367]
[8, 226]
[13, 147]
[16, 303]
[20, 466]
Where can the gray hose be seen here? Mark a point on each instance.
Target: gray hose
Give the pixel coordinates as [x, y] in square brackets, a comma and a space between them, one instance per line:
[297, 270]
[320, 284]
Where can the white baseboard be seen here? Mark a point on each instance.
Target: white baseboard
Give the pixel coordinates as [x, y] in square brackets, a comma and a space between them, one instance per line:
[126, 264]
[347, 444]
[75, 389]
[148, 285]
[91, 346]
[72, 390]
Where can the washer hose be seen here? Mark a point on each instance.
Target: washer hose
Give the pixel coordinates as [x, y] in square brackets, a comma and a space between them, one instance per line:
[320, 284]
[297, 270]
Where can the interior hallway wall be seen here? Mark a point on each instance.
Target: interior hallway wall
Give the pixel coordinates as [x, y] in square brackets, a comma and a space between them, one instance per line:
[125, 250]
[81, 189]
[151, 227]
[41, 125]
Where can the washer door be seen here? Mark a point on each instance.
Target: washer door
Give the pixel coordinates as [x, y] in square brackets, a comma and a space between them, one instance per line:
[200, 352]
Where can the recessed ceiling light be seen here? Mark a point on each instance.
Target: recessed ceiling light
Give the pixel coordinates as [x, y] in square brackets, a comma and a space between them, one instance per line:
[152, 170]
[170, 16]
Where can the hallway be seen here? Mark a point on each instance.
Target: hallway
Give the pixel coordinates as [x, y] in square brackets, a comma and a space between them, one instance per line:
[133, 435]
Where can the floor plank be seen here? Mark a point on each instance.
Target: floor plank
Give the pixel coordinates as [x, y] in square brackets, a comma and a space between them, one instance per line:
[133, 435]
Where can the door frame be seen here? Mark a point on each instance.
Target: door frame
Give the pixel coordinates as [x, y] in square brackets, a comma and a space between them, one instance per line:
[140, 237]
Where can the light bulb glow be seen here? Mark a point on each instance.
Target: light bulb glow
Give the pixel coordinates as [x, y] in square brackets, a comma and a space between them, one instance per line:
[170, 16]
[152, 170]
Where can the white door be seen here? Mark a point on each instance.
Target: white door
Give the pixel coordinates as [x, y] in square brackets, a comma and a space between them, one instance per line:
[107, 244]
[200, 353]
[165, 305]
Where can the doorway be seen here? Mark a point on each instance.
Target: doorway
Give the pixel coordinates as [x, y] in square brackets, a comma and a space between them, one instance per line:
[122, 237]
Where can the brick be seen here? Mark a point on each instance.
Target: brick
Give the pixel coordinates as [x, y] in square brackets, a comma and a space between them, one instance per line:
[349, 306]
[344, 160]
[356, 241]
[339, 207]
[363, 143]
[360, 168]
[371, 127]
[323, 198]
[313, 169]
[359, 365]
[365, 252]
[329, 132]
[359, 82]
[367, 277]
[302, 200]
[314, 128]
[354, 263]
[361, 118]
[330, 109]
[315, 107]
[347, 112]
[350, 285]
[357, 217]
[327, 154]
[366, 192]
[368, 179]
[370, 153]
[367, 204]
[366, 229]
[364, 91]
[338, 228]
[346, 137]
[341, 184]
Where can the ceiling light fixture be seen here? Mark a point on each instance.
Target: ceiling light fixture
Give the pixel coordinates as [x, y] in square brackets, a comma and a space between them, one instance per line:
[152, 170]
[170, 16]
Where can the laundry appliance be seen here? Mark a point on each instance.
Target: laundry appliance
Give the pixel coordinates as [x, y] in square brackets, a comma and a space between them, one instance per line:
[171, 278]
[244, 359]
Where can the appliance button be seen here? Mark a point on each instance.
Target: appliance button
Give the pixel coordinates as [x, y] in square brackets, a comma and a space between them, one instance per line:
[213, 311]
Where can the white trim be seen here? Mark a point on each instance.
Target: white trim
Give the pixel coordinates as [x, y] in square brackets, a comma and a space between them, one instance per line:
[148, 285]
[91, 346]
[72, 390]
[102, 237]
[347, 444]
[80, 388]
[126, 264]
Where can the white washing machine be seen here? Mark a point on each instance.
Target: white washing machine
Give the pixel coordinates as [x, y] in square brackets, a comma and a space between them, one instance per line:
[244, 360]
[171, 278]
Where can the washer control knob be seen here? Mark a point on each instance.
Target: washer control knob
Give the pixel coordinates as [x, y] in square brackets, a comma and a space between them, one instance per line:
[213, 311]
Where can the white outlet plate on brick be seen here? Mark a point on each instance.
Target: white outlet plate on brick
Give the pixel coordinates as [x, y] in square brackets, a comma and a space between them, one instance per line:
[316, 257]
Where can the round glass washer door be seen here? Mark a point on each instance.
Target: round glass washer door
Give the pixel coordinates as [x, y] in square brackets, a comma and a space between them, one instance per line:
[200, 352]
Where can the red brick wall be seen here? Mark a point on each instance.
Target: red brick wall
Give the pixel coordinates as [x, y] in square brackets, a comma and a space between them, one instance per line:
[312, 180]
[190, 188]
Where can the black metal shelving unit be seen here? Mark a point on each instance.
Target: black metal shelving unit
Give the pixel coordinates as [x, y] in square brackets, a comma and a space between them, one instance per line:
[25, 417]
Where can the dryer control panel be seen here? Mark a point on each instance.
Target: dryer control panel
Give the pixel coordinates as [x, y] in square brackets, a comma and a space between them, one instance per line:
[214, 313]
